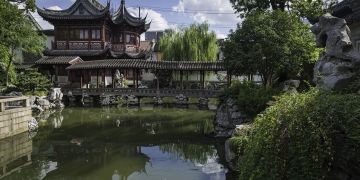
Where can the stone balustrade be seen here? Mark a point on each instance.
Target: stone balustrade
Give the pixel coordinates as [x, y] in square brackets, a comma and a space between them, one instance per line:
[143, 92]
[15, 112]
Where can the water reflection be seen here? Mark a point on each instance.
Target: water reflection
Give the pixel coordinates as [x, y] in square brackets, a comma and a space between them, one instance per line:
[15, 154]
[111, 143]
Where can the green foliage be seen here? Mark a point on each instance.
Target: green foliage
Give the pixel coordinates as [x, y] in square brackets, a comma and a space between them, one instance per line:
[195, 43]
[29, 4]
[310, 9]
[17, 33]
[33, 82]
[270, 43]
[304, 136]
[4, 68]
[250, 97]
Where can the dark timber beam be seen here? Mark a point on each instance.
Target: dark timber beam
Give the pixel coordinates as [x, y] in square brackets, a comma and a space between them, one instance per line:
[181, 80]
[103, 77]
[97, 78]
[81, 79]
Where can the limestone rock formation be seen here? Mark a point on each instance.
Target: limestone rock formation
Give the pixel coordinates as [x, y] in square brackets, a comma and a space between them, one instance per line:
[56, 97]
[33, 124]
[107, 99]
[227, 117]
[87, 100]
[158, 100]
[338, 65]
[204, 103]
[181, 99]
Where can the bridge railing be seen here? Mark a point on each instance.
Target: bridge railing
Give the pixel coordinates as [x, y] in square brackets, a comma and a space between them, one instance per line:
[7, 103]
[143, 92]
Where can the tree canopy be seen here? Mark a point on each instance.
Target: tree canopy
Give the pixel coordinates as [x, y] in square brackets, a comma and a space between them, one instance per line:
[269, 43]
[29, 4]
[195, 43]
[310, 9]
[33, 82]
[16, 33]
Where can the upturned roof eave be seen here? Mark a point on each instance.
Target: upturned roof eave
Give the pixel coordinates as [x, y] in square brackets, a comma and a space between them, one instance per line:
[68, 13]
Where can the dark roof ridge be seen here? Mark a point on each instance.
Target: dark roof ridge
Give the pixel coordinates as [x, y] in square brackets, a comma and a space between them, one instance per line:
[122, 14]
[91, 6]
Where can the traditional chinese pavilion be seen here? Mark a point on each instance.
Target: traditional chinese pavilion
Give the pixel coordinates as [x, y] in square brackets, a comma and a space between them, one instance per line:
[92, 45]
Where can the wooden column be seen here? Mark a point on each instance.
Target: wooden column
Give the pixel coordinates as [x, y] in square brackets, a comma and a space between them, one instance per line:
[202, 79]
[97, 78]
[112, 78]
[56, 73]
[103, 77]
[181, 80]
[137, 78]
[81, 79]
[88, 79]
[134, 78]
[171, 78]
[228, 79]
[67, 37]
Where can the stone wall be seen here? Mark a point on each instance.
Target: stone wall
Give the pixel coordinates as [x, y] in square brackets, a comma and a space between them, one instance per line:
[14, 119]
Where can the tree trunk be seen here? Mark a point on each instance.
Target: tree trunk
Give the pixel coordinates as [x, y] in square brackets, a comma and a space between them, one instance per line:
[277, 5]
[8, 67]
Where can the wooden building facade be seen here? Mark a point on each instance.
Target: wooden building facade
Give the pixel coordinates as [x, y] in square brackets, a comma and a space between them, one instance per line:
[91, 44]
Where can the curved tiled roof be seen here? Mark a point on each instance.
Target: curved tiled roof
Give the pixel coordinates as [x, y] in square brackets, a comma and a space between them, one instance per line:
[92, 10]
[124, 55]
[122, 15]
[58, 60]
[144, 64]
[76, 52]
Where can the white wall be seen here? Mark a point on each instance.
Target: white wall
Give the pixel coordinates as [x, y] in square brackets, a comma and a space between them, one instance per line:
[49, 40]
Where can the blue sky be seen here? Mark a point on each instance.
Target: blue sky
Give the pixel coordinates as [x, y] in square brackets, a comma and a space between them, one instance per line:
[168, 13]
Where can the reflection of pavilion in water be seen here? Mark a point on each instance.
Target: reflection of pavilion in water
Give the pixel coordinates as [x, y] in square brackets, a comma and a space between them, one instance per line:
[15, 154]
[89, 144]
[96, 160]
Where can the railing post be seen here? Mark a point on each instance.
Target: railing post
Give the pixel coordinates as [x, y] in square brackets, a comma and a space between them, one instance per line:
[27, 102]
[2, 107]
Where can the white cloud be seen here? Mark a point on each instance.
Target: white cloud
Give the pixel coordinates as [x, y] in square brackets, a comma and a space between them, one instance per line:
[209, 10]
[158, 22]
[220, 35]
[55, 8]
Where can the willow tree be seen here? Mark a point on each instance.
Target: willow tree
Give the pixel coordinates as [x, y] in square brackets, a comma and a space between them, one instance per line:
[194, 43]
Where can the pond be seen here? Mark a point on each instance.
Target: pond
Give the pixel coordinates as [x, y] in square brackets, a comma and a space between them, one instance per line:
[122, 143]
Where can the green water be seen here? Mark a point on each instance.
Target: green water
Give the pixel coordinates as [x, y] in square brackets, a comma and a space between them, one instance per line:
[134, 144]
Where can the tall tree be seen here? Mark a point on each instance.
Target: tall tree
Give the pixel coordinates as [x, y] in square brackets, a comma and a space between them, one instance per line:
[269, 43]
[310, 9]
[195, 43]
[16, 33]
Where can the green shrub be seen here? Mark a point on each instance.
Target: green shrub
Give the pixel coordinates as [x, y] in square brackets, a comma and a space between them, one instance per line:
[33, 82]
[304, 136]
[250, 97]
